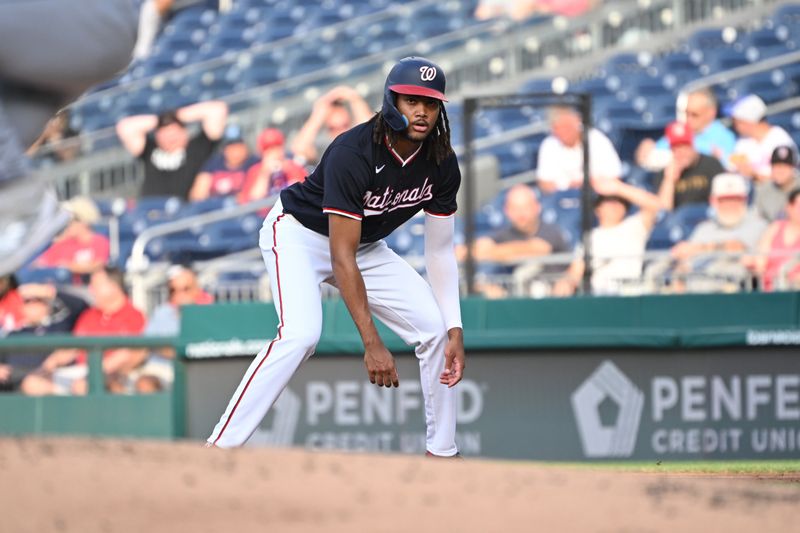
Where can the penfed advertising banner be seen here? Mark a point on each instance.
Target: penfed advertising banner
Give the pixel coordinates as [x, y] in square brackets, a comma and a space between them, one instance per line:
[732, 403]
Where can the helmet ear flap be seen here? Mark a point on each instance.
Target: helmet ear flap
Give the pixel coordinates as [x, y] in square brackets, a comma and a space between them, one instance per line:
[394, 118]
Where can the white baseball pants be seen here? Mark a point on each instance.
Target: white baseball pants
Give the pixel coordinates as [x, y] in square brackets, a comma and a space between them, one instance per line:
[298, 262]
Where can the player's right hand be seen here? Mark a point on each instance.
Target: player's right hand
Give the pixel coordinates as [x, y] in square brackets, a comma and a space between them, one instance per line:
[380, 367]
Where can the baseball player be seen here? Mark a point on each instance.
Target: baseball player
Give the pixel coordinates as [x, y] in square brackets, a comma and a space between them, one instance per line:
[330, 228]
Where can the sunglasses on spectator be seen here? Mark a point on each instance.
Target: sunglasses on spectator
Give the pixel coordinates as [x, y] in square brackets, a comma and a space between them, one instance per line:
[35, 299]
[185, 288]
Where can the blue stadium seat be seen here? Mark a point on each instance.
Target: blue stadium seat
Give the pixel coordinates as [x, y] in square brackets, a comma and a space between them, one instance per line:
[770, 86]
[515, 157]
[676, 226]
[788, 15]
[625, 64]
[723, 59]
[711, 39]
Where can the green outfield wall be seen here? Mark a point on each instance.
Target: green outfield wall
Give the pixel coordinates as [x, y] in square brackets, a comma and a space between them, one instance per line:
[684, 377]
[667, 377]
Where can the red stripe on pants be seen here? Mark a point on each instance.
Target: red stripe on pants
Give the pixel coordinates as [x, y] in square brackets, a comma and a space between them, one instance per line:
[280, 327]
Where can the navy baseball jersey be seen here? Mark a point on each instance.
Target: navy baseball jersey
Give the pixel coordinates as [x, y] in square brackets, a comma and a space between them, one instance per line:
[370, 182]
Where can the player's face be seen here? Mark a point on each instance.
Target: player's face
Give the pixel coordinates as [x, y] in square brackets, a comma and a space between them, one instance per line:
[422, 113]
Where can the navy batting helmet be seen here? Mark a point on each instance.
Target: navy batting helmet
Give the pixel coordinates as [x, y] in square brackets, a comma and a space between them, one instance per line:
[411, 75]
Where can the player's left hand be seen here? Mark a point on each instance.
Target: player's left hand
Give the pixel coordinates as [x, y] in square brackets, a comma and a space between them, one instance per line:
[454, 358]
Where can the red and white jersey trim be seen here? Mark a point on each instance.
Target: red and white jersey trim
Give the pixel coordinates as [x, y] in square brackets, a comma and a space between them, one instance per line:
[329, 210]
[440, 215]
[403, 162]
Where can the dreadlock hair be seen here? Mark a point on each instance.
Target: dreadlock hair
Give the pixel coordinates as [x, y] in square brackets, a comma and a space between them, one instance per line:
[438, 142]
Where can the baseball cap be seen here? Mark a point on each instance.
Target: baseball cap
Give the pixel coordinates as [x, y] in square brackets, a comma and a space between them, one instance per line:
[751, 108]
[232, 135]
[270, 138]
[678, 133]
[729, 185]
[784, 155]
[168, 117]
[82, 209]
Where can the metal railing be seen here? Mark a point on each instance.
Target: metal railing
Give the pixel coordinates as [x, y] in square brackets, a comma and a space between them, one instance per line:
[139, 267]
[536, 277]
[93, 345]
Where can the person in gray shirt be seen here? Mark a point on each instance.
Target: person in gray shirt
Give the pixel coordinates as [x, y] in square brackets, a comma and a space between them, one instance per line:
[710, 260]
[771, 195]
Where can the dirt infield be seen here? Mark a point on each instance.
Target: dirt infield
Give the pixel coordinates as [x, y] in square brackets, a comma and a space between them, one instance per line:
[129, 486]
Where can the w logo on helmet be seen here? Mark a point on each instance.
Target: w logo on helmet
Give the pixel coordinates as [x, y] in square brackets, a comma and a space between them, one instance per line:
[427, 73]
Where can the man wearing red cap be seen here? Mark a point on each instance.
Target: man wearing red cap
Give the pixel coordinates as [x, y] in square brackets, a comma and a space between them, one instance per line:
[274, 172]
[687, 178]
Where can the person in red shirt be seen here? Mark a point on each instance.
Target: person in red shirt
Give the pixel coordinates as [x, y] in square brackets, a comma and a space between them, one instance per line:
[79, 248]
[11, 305]
[65, 370]
[274, 172]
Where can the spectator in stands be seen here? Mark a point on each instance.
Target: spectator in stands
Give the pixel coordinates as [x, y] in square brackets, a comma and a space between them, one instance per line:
[771, 195]
[560, 162]
[225, 173]
[526, 237]
[165, 320]
[710, 137]
[50, 54]
[11, 313]
[733, 230]
[273, 172]
[171, 157]
[65, 370]
[522, 9]
[617, 243]
[779, 249]
[58, 142]
[45, 310]
[687, 177]
[152, 15]
[336, 111]
[79, 248]
[758, 138]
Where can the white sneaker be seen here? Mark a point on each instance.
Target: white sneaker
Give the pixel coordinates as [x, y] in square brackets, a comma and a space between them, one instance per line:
[30, 216]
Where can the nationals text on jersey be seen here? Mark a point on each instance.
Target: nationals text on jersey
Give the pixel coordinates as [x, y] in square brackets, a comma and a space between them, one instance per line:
[376, 203]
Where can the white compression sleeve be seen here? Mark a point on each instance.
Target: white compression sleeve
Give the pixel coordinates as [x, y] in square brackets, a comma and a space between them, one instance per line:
[442, 268]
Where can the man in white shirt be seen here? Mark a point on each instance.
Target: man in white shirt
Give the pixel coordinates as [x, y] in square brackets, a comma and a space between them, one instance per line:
[758, 139]
[618, 242]
[560, 164]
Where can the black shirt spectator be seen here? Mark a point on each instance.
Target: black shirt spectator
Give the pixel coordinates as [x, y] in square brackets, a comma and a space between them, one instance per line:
[694, 183]
[172, 158]
[687, 177]
[173, 173]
